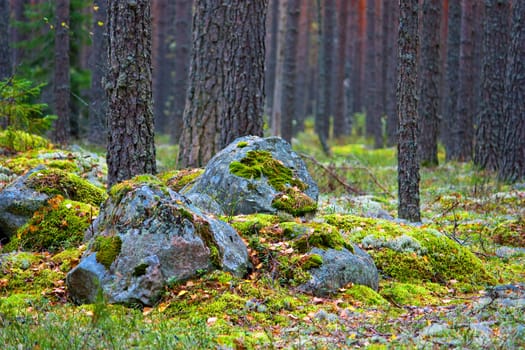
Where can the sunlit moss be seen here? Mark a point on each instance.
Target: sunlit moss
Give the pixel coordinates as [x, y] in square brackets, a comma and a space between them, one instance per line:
[107, 249]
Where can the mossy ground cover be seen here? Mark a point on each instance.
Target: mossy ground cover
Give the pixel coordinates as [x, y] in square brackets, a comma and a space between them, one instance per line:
[432, 276]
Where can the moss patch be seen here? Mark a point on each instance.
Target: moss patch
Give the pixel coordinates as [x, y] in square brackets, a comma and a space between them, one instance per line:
[58, 225]
[177, 180]
[439, 258]
[20, 141]
[258, 164]
[510, 233]
[118, 191]
[59, 182]
[107, 249]
[365, 295]
[408, 294]
[294, 201]
[252, 224]
[314, 235]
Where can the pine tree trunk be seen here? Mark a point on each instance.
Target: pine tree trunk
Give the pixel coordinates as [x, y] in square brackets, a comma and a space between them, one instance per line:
[5, 51]
[276, 116]
[97, 133]
[408, 165]
[226, 82]
[463, 126]
[182, 36]
[452, 76]
[512, 166]
[489, 133]
[62, 87]
[371, 121]
[391, 71]
[272, 26]
[340, 117]
[131, 146]
[302, 96]
[289, 69]
[429, 83]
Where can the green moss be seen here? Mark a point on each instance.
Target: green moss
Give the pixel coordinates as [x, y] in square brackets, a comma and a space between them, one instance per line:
[252, 224]
[177, 180]
[119, 190]
[408, 294]
[365, 295]
[107, 249]
[294, 201]
[258, 164]
[20, 141]
[203, 230]
[58, 225]
[59, 182]
[439, 260]
[242, 144]
[319, 235]
[511, 232]
[140, 270]
[312, 261]
[68, 258]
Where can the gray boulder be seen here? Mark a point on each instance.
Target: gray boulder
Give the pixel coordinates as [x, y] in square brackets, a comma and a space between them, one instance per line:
[252, 173]
[339, 268]
[147, 236]
[18, 203]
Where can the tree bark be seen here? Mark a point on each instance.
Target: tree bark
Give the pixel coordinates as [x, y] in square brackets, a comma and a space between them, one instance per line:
[131, 146]
[372, 117]
[276, 116]
[302, 96]
[5, 51]
[62, 87]
[341, 125]
[289, 69]
[226, 85]
[97, 133]
[272, 27]
[429, 83]
[451, 77]
[408, 165]
[183, 12]
[463, 126]
[489, 133]
[512, 166]
[391, 49]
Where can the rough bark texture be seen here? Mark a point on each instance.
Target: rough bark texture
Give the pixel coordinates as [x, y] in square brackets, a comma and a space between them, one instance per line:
[463, 125]
[429, 83]
[512, 167]
[272, 26]
[302, 96]
[452, 76]
[131, 147]
[5, 52]
[163, 62]
[372, 117]
[62, 85]
[289, 69]
[226, 85]
[183, 9]
[392, 9]
[322, 116]
[340, 117]
[408, 165]
[489, 133]
[97, 133]
[17, 10]
[276, 115]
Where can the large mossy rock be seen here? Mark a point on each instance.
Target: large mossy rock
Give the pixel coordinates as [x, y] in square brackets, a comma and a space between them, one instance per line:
[410, 254]
[21, 199]
[257, 175]
[148, 236]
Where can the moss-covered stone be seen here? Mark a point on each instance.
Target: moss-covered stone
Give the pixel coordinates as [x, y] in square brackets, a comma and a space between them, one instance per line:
[312, 261]
[60, 224]
[439, 259]
[177, 180]
[365, 295]
[59, 182]
[257, 164]
[107, 249]
[119, 190]
[319, 235]
[248, 225]
[294, 201]
[242, 144]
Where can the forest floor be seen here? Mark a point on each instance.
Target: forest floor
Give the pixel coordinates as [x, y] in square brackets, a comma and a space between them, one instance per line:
[219, 311]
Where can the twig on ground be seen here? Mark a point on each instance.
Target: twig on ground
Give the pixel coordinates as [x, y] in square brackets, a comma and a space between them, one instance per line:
[327, 170]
